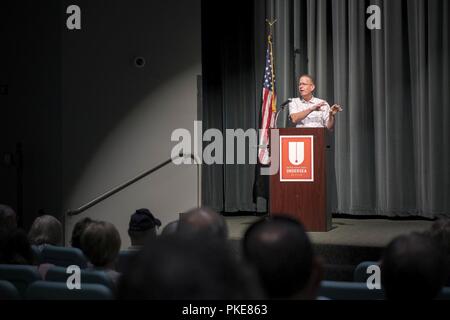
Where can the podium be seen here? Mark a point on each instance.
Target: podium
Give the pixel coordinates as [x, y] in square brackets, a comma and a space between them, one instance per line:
[299, 189]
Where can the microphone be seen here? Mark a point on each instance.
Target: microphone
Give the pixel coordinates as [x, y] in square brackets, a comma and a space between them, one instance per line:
[284, 104]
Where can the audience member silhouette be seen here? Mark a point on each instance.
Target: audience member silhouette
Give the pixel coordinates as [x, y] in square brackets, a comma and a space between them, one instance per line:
[15, 247]
[440, 232]
[100, 243]
[170, 229]
[282, 254]
[78, 230]
[202, 221]
[8, 217]
[180, 268]
[45, 230]
[412, 268]
[142, 225]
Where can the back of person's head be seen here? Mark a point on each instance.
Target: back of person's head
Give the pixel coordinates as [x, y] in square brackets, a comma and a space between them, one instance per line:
[8, 218]
[15, 247]
[179, 268]
[170, 229]
[204, 222]
[100, 242]
[440, 232]
[142, 225]
[45, 229]
[412, 267]
[78, 230]
[280, 250]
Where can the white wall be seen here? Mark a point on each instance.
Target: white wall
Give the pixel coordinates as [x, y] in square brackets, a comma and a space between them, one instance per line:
[117, 119]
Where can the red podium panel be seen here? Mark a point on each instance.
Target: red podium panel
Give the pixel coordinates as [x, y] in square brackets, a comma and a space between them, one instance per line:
[299, 189]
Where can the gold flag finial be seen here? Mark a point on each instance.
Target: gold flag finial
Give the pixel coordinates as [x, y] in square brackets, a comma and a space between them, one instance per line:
[271, 23]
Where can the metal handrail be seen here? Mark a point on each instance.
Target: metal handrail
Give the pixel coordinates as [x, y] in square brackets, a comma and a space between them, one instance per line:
[114, 190]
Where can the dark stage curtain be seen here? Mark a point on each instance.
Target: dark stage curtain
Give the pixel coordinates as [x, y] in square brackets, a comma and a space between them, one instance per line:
[230, 99]
[392, 153]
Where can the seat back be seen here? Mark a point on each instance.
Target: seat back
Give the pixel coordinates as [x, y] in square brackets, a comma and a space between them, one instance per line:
[341, 290]
[64, 257]
[36, 254]
[21, 276]
[49, 290]
[360, 273]
[444, 294]
[59, 274]
[8, 291]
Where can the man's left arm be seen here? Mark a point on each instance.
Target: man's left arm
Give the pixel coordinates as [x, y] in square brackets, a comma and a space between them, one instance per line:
[330, 121]
[331, 115]
[328, 117]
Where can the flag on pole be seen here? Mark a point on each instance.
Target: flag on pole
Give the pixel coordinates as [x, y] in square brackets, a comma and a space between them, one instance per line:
[268, 110]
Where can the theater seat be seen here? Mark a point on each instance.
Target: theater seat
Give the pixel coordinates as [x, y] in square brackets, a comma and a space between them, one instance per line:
[360, 272]
[21, 276]
[340, 290]
[48, 290]
[59, 274]
[64, 257]
[444, 295]
[36, 254]
[8, 291]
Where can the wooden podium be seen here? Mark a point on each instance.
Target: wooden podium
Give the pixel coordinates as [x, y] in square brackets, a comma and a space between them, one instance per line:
[299, 198]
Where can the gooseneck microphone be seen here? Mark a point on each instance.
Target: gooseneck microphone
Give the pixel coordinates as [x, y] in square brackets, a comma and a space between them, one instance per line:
[284, 104]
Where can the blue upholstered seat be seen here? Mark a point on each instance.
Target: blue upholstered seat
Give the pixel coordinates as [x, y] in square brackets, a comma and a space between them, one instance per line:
[49, 290]
[21, 276]
[64, 257]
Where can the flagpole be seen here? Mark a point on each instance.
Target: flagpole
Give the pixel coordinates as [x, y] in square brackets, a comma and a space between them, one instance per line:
[267, 114]
[270, 43]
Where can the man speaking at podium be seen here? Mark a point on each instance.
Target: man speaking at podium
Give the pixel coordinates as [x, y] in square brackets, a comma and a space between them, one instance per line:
[309, 111]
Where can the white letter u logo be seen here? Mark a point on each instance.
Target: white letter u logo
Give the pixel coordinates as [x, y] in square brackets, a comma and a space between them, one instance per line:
[296, 153]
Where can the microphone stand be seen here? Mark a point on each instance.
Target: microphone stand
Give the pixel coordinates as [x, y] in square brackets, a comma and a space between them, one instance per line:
[277, 114]
[275, 126]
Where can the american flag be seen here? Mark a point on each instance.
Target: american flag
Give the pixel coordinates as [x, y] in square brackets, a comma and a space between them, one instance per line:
[268, 110]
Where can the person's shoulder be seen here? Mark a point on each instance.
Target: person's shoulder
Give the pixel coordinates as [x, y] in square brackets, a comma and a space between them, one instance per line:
[294, 105]
[294, 102]
[297, 103]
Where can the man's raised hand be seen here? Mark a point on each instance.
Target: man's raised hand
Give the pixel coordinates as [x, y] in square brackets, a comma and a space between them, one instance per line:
[335, 109]
[318, 106]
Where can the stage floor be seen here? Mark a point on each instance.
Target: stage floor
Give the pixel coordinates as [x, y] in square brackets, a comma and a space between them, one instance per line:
[349, 242]
[357, 232]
